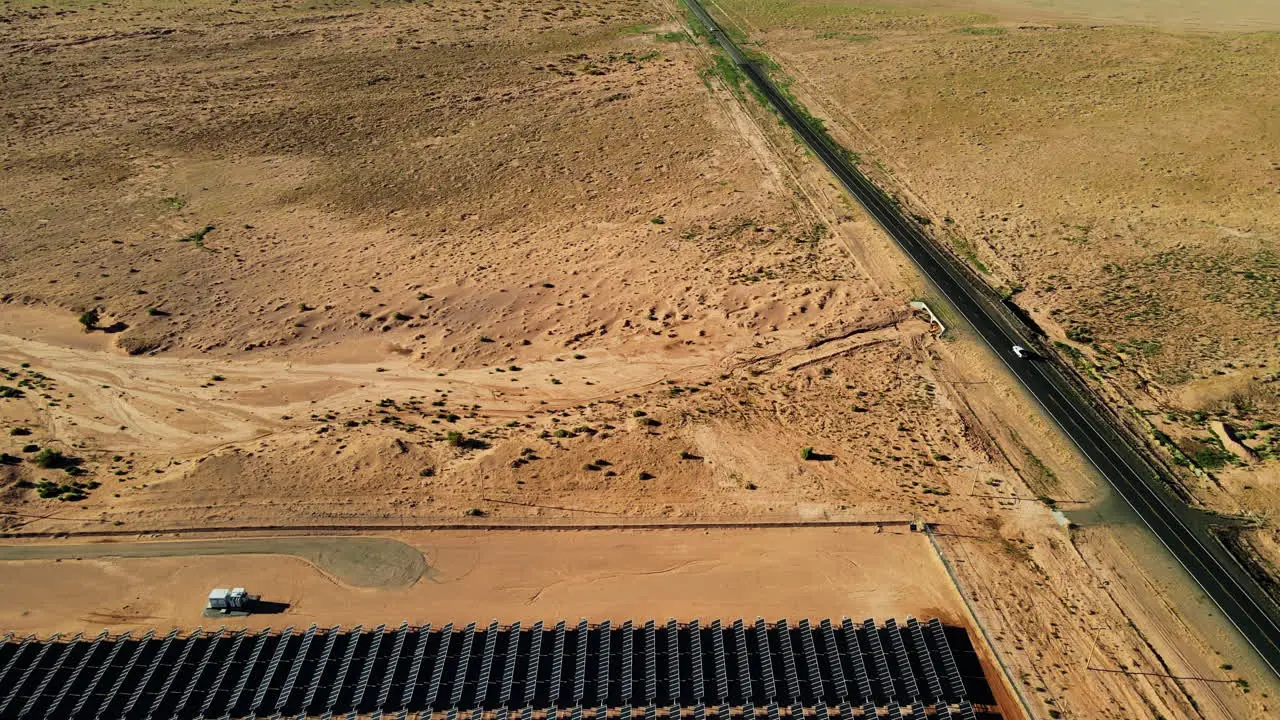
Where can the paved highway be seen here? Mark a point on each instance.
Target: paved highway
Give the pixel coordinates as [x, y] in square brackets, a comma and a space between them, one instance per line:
[1223, 579]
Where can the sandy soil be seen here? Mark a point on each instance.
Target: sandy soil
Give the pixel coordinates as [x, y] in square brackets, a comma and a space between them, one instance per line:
[1119, 182]
[523, 576]
[480, 255]
[520, 261]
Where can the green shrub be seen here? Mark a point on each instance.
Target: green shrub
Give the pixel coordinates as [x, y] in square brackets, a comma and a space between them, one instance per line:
[49, 458]
[1212, 457]
[1080, 334]
[806, 453]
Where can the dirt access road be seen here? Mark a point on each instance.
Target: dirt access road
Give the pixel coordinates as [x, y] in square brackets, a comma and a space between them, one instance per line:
[357, 561]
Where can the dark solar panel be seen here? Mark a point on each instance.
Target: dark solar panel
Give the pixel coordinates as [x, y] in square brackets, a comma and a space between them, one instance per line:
[366, 674]
[650, 664]
[885, 678]
[264, 685]
[557, 664]
[942, 647]
[811, 660]
[437, 668]
[717, 651]
[625, 686]
[392, 665]
[291, 678]
[70, 683]
[580, 664]
[42, 681]
[925, 660]
[242, 682]
[580, 652]
[695, 662]
[860, 677]
[833, 659]
[602, 667]
[673, 662]
[344, 667]
[765, 655]
[26, 647]
[486, 664]
[899, 650]
[511, 655]
[535, 658]
[744, 660]
[789, 674]
[127, 674]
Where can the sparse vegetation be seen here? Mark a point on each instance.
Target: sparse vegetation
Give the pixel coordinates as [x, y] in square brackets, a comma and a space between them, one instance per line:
[197, 237]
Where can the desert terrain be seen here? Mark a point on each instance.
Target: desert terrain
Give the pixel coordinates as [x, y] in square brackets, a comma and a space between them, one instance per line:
[1112, 168]
[279, 266]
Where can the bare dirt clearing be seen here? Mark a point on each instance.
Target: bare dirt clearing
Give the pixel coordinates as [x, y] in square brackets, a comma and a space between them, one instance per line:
[517, 576]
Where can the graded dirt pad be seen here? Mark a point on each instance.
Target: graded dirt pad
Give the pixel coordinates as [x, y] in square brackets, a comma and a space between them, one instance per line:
[357, 561]
[512, 576]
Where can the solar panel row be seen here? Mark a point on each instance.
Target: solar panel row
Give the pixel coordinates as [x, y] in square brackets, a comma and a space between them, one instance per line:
[402, 670]
[905, 675]
[937, 633]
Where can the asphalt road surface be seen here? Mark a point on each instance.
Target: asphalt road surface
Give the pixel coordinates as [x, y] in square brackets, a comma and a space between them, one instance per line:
[1218, 573]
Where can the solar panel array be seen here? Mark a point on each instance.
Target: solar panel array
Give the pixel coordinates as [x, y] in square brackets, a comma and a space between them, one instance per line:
[841, 670]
